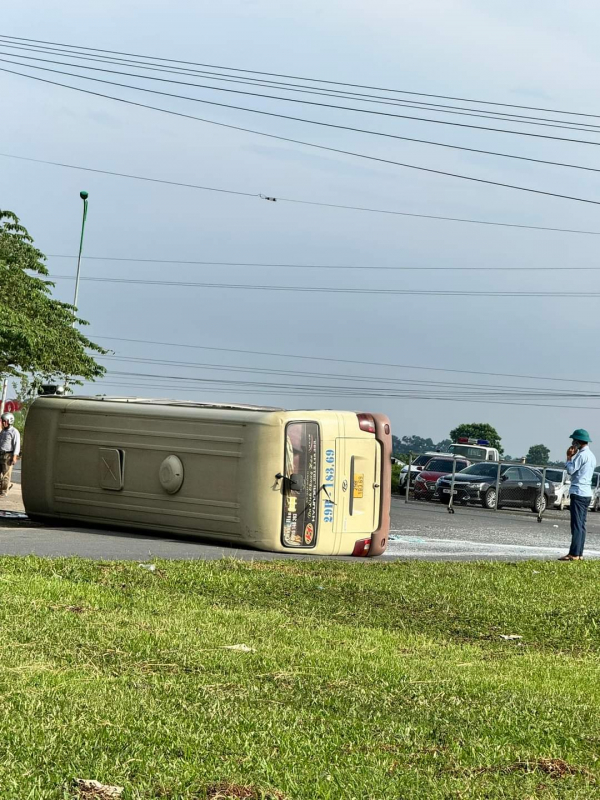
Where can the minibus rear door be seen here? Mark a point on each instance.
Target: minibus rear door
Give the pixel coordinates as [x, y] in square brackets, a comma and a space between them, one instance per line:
[360, 487]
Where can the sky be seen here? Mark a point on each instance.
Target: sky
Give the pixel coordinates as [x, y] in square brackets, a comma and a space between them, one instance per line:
[542, 53]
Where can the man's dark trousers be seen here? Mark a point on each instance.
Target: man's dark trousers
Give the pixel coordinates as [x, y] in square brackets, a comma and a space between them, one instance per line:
[579, 509]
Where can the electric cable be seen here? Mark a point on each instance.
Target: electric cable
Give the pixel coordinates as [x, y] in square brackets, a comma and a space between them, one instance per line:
[298, 77]
[260, 195]
[333, 289]
[377, 159]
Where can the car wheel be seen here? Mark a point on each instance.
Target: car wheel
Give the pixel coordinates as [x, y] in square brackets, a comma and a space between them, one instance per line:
[595, 505]
[540, 501]
[489, 499]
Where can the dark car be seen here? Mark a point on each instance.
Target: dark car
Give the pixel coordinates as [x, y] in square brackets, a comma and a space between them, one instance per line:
[519, 486]
[425, 482]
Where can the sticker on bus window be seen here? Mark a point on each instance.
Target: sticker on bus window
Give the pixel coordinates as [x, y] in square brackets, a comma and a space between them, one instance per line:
[301, 491]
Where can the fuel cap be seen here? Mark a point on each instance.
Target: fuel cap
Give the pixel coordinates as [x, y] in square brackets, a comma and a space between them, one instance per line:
[170, 474]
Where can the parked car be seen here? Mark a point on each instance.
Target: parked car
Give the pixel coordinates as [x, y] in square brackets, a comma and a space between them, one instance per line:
[416, 466]
[475, 450]
[519, 486]
[562, 483]
[595, 501]
[426, 480]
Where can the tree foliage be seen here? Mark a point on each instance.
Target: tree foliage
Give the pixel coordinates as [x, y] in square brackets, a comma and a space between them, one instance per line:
[538, 454]
[38, 334]
[417, 444]
[478, 430]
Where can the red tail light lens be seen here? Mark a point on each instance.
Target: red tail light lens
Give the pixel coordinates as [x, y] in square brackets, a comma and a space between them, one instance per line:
[366, 423]
[361, 547]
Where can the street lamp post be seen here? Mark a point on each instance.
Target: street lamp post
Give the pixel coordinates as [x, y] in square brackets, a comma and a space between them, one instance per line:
[84, 197]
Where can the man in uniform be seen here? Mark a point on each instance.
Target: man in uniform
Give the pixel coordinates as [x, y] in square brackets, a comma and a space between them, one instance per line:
[581, 464]
[10, 447]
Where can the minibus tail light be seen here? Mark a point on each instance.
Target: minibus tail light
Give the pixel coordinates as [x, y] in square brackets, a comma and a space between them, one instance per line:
[366, 423]
[361, 547]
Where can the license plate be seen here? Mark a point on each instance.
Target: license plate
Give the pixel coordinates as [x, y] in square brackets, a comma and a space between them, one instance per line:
[447, 491]
[359, 485]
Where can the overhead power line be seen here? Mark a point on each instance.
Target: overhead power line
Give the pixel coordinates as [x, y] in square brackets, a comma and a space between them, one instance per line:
[325, 391]
[333, 289]
[294, 100]
[540, 122]
[411, 383]
[461, 268]
[288, 355]
[317, 203]
[333, 389]
[311, 89]
[298, 77]
[138, 177]
[340, 151]
[290, 393]
[416, 140]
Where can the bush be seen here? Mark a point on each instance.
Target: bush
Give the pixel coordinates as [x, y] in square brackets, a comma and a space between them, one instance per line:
[396, 476]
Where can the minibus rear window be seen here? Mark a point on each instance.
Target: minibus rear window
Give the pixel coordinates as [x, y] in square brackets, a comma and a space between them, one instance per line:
[301, 489]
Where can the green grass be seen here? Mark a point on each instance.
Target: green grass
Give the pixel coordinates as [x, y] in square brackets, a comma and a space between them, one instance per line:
[365, 681]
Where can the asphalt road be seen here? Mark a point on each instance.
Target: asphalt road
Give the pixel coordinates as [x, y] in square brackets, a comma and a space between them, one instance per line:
[427, 531]
[419, 531]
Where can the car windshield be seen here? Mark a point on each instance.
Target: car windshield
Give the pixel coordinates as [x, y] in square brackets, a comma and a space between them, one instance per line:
[469, 452]
[554, 475]
[444, 465]
[487, 469]
[420, 461]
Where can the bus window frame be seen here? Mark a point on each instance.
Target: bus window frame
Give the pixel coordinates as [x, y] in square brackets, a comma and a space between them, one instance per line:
[286, 486]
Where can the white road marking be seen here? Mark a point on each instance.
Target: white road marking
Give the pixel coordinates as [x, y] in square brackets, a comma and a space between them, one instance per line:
[461, 544]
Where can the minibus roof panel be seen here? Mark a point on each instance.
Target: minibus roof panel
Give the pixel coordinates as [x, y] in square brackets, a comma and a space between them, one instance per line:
[153, 401]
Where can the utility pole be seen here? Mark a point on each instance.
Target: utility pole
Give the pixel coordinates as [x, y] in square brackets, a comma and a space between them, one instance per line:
[84, 196]
[4, 391]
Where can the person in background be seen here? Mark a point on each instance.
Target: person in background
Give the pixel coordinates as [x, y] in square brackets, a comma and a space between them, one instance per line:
[10, 447]
[581, 463]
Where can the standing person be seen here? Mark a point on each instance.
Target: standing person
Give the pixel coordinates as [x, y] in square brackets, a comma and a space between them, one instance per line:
[10, 447]
[581, 463]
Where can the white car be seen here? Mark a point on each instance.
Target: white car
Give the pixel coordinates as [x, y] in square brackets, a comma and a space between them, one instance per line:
[595, 501]
[416, 466]
[562, 483]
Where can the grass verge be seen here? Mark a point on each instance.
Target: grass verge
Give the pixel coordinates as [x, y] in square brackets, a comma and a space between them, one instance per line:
[354, 681]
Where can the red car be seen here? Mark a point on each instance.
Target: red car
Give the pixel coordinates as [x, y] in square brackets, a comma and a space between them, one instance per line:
[426, 480]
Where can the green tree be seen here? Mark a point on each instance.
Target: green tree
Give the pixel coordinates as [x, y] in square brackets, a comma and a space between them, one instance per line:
[538, 454]
[411, 444]
[479, 430]
[38, 334]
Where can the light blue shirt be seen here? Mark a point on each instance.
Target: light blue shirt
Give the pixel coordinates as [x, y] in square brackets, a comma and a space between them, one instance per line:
[581, 468]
